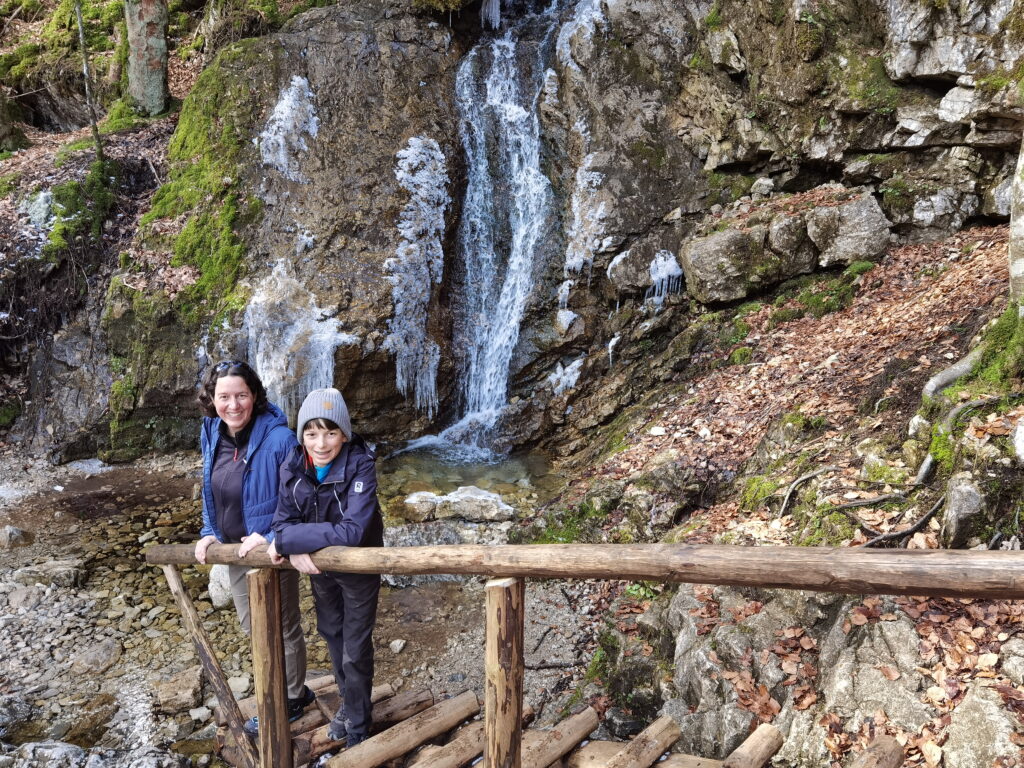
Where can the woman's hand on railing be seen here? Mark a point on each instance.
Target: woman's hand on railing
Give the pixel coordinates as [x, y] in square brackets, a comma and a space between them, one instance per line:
[202, 545]
[275, 558]
[303, 564]
[249, 543]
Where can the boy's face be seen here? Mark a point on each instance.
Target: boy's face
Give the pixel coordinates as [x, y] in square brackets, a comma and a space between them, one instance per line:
[323, 444]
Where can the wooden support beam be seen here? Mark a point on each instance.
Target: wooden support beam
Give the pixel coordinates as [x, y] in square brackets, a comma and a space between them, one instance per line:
[467, 744]
[852, 570]
[596, 754]
[310, 745]
[883, 752]
[757, 750]
[541, 748]
[409, 734]
[504, 669]
[246, 752]
[648, 745]
[275, 738]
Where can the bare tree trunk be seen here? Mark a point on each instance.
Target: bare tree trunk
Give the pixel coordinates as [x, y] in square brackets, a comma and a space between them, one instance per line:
[147, 55]
[87, 75]
[1017, 233]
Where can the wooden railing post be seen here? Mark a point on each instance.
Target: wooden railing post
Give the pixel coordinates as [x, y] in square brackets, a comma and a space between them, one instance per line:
[210, 665]
[275, 737]
[504, 665]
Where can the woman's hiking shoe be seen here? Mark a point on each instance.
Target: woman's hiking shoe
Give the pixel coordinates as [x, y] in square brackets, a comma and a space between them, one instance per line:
[338, 730]
[294, 709]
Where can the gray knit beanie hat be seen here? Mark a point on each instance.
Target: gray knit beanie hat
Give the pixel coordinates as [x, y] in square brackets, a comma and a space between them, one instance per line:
[324, 404]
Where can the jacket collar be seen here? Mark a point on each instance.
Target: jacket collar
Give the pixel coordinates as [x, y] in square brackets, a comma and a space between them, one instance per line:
[261, 426]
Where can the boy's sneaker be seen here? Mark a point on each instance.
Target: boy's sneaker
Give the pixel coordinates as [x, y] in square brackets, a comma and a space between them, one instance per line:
[337, 729]
[294, 709]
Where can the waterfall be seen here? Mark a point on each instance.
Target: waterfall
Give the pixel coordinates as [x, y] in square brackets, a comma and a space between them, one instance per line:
[507, 206]
[290, 342]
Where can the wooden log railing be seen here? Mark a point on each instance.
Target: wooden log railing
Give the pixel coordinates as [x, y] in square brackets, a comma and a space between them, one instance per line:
[938, 573]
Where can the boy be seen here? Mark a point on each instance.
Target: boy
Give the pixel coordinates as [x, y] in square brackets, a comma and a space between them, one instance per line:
[328, 497]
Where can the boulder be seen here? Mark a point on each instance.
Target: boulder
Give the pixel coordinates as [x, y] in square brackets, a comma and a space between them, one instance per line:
[181, 693]
[475, 505]
[855, 230]
[723, 266]
[97, 658]
[965, 508]
[980, 730]
[56, 573]
[14, 711]
[220, 586]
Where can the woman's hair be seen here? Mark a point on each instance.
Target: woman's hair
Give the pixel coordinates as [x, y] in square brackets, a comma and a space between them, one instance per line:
[231, 368]
[320, 424]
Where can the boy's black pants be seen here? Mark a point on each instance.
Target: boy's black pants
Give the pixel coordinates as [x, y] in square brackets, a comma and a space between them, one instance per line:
[346, 607]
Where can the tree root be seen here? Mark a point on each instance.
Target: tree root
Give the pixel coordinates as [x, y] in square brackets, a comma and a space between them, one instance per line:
[956, 371]
[907, 533]
[800, 481]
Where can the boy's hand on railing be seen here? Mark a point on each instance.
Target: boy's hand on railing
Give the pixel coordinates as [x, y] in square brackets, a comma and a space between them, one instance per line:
[303, 564]
[202, 545]
[275, 558]
[249, 543]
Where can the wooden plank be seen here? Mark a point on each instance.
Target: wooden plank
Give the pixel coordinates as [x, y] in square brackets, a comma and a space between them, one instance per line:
[409, 734]
[318, 685]
[853, 570]
[246, 752]
[883, 752]
[757, 750]
[541, 748]
[466, 744]
[504, 668]
[596, 754]
[275, 738]
[648, 745]
[386, 712]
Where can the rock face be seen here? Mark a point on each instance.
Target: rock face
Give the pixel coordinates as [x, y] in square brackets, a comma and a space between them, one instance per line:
[965, 510]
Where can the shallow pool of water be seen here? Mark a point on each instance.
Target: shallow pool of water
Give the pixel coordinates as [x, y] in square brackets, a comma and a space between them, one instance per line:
[518, 479]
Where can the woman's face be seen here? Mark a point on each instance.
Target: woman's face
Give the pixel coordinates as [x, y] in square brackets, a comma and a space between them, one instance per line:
[323, 445]
[233, 401]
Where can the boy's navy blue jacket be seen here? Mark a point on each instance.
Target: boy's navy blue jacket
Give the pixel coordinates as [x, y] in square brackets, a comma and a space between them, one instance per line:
[270, 443]
[340, 511]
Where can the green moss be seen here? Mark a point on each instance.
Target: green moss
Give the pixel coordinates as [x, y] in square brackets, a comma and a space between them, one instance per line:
[798, 421]
[120, 117]
[1001, 366]
[824, 528]
[726, 188]
[943, 450]
[9, 411]
[748, 308]
[649, 154]
[756, 490]
[440, 6]
[883, 473]
[714, 18]
[858, 268]
[81, 208]
[8, 183]
[867, 84]
[205, 152]
[573, 526]
[699, 62]
[740, 356]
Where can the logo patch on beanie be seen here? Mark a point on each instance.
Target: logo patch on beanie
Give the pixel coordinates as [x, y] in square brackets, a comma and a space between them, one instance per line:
[328, 405]
[358, 487]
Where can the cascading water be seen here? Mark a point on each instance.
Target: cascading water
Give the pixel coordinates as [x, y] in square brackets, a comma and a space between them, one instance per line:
[506, 209]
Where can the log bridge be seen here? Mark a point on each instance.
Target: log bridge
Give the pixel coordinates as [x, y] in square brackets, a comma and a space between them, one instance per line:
[414, 718]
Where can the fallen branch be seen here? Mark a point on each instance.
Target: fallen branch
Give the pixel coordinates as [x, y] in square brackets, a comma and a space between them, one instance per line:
[908, 532]
[554, 665]
[798, 482]
[869, 502]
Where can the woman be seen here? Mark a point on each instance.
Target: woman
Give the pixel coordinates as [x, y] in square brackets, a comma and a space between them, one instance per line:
[244, 439]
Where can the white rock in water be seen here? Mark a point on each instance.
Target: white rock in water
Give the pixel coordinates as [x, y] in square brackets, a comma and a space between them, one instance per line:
[397, 646]
[474, 504]
[220, 586]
